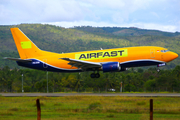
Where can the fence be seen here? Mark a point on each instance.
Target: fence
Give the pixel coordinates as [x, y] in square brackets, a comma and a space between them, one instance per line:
[90, 107]
[104, 90]
[96, 89]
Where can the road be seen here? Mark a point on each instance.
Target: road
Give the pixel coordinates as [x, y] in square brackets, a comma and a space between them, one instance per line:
[90, 94]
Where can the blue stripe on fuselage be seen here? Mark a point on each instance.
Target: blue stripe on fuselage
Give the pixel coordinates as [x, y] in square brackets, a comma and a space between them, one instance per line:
[37, 64]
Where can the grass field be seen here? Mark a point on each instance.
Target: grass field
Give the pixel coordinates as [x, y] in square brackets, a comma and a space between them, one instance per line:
[89, 107]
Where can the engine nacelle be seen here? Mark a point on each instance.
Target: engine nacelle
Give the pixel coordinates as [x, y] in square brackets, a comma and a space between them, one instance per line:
[111, 67]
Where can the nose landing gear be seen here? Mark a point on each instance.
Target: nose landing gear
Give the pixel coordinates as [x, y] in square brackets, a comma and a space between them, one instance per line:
[158, 70]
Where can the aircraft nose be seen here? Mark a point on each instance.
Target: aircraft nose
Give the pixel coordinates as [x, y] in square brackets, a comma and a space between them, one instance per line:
[174, 55]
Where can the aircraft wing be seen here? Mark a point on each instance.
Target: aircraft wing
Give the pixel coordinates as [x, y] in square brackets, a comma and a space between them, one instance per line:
[82, 64]
[18, 59]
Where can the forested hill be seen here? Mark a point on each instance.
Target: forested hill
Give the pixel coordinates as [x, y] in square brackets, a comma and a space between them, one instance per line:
[124, 31]
[58, 39]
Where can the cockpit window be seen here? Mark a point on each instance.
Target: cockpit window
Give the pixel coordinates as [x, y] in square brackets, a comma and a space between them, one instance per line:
[164, 51]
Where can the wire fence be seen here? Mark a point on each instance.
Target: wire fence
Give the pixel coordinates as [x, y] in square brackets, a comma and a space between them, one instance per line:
[90, 107]
[124, 88]
[104, 90]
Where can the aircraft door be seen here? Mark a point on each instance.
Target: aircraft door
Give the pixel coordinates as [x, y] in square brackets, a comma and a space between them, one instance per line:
[152, 53]
[45, 63]
[162, 56]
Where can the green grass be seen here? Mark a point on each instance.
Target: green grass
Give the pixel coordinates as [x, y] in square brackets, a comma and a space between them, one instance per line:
[89, 107]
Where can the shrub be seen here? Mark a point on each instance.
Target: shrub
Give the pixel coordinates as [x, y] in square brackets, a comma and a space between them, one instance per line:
[95, 105]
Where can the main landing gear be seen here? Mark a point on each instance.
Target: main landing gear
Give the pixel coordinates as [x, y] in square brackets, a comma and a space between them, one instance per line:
[95, 75]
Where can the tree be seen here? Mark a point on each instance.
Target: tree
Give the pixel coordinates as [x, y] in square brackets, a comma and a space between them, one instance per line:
[150, 84]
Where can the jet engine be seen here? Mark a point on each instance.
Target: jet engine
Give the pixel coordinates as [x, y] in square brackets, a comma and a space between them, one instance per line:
[111, 67]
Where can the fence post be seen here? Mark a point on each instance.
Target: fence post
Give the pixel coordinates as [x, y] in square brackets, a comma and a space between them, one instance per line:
[151, 109]
[38, 109]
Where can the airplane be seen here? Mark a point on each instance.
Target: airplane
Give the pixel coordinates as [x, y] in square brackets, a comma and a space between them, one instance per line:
[106, 60]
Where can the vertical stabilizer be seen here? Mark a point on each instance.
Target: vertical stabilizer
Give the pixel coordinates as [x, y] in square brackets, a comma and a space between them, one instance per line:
[26, 48]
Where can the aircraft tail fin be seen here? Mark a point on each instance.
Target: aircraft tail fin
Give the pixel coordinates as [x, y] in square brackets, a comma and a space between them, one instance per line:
[26, 48]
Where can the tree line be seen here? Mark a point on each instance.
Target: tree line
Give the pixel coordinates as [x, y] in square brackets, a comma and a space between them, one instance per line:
[133, 80]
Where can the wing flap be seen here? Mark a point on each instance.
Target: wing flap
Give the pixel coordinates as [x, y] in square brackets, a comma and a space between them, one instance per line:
[82, 64]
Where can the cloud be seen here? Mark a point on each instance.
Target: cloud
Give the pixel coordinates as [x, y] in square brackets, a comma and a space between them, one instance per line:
[117, 10]
[71, 10]
[80, 23]
[142, 13]
[155, 14]
[152, 26]
[40, 11]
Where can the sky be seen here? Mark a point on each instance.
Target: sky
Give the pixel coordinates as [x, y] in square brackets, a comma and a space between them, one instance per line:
[161, 15]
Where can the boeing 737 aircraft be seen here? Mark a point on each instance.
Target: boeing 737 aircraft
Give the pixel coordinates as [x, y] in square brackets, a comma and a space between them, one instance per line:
[106, 60]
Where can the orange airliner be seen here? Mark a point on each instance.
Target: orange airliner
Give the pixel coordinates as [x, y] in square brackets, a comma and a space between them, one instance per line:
[106, 60]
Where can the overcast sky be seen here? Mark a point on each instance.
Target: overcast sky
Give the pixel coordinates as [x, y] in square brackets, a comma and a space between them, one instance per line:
[147, 14]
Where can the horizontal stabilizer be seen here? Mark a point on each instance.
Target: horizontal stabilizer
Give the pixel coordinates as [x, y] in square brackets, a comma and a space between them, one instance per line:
[18, 59]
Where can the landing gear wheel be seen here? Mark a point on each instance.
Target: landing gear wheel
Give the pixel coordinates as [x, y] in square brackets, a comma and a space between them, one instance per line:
[93, 75]
[158, 70]
[97, 75]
